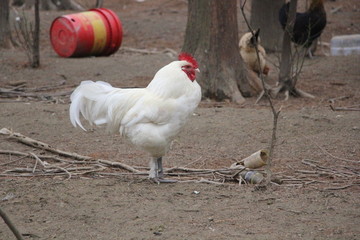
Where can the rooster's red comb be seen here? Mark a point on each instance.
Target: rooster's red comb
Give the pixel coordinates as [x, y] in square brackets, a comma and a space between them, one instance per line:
[187, 57]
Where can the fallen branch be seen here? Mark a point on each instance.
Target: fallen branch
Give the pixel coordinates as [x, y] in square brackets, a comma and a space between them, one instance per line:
[37, 144]
[11, 225]
[55, 158]
[171, 52]
[321, 170]
[343, 108]
[341, 187]
[118, 164]
[10, 93]
[332, 100]
[20, 86]
[326, 152]
[202, 180]
[335, 10]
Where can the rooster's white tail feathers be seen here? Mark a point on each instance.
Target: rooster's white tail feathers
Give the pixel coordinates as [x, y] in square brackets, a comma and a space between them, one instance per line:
[100, 103]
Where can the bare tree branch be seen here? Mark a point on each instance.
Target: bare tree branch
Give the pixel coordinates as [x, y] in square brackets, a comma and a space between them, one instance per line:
[266, 92]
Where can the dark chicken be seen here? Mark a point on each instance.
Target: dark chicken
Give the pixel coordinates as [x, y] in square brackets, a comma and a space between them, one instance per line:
[308, 26]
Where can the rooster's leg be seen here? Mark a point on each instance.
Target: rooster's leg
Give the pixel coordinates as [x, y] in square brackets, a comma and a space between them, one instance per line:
[153, 174]
[160, 167]
[157, 172]
[161, 172]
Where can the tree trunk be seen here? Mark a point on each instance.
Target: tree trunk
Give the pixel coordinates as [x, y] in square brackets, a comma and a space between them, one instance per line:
[212, 37]
[47, 5]
[288, 72]
[286, 61]
[52, 4]
[36, 44]
[99, 3]
[68, 5]
[265, 15]
[5, 38]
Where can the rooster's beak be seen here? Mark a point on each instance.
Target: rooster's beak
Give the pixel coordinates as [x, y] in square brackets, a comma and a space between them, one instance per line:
[198, 70]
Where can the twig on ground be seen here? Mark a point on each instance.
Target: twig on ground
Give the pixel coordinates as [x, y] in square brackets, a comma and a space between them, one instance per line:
[172, 53]
[326, 152]
[332, 100]
[335, 10]
[118, 164]
[38, 144]
[341, 187]
[11, 93]
[343, 108]
[11, 161]
[10, 224]
[190, 163]
[202, 180]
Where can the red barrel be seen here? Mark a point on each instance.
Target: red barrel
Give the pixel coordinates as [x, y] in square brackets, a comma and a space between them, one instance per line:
[97, 32]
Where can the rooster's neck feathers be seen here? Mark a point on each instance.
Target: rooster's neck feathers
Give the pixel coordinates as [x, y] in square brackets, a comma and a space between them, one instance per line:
[171, 81]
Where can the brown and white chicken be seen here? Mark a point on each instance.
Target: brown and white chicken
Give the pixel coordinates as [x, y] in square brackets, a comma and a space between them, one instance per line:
[248, 44]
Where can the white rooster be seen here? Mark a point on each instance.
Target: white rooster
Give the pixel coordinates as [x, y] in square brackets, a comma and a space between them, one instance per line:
[149, 117]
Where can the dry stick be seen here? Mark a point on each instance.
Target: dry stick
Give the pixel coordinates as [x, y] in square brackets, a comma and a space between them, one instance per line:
[11, 225]
[172, 52]
[332, 100]
[47, 166]
[57, 159]
[11, 93]
[60, 85]
[340, 188]
[49, 171]
[202, 180]
[343, 108]
[326, 152]
[98, 163]
[275, 113]
[190, 163]
[326, 170]
[118, 164]
[35, 165]
[12, 161]
[34, 143]
[227, 170]
[19, 170]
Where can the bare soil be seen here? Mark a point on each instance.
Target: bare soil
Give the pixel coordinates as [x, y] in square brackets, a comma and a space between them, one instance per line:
[313, 202]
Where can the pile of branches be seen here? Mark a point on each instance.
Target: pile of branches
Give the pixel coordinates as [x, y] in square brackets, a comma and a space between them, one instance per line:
[17, 92]
[56, 162]
[340, 177]
[69, 164]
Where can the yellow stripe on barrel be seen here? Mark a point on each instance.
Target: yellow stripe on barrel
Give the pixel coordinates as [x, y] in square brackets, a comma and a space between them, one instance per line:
[99, 29]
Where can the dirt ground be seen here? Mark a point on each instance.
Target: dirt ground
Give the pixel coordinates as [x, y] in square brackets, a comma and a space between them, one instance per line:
[317, 152]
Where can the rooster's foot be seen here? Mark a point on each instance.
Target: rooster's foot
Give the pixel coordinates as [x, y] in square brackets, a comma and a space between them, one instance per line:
[162, 180]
